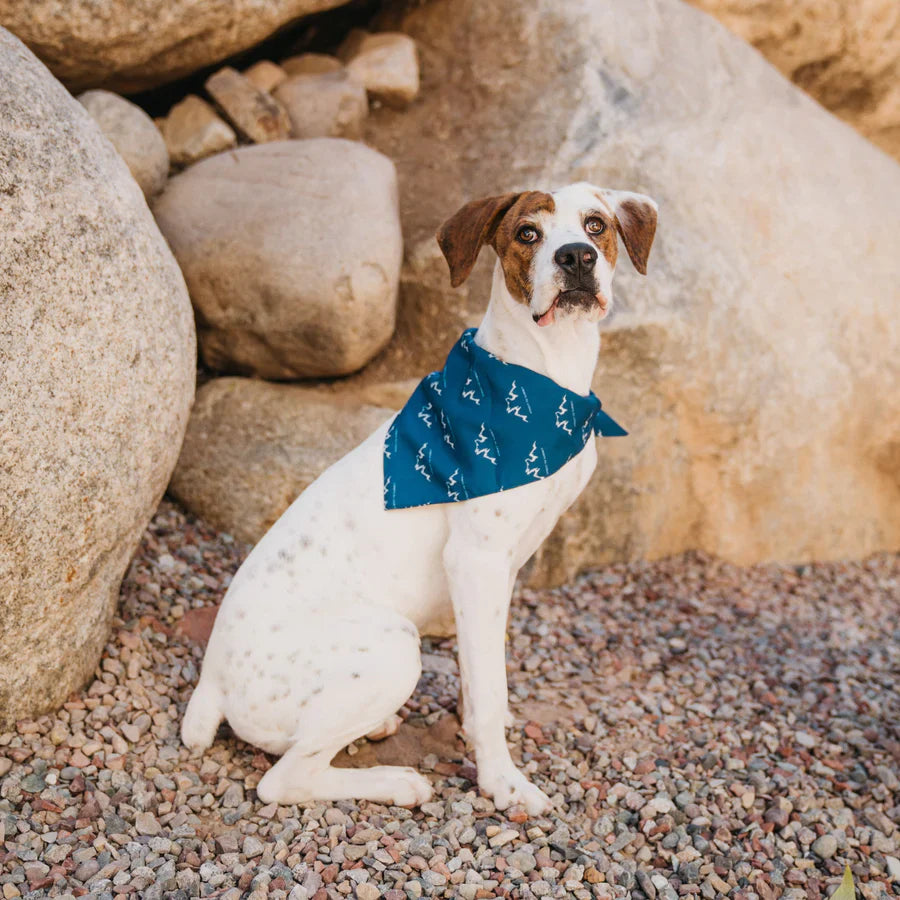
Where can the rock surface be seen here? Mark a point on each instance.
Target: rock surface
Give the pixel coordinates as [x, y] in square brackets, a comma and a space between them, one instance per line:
[265, 75]
[267, 442]
[253, 112]
[846, 53]
[291, 251]
[97, 344]
[757, 367]
[387, 64]
[324, 104]
[310, 63]
[193, 130]
[134, 135]
[130, 46]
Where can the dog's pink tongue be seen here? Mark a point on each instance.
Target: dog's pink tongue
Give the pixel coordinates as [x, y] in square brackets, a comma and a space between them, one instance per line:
[548, 318]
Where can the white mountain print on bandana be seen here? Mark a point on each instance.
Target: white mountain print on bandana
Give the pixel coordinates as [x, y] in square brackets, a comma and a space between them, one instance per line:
[447, 430]
[586, 430]
[425, 414]
[456, 486]
[423, 462]
[565, 415]
[472, 389]
[390, 440]
[514, 400]
[486, 445]
[536, 466]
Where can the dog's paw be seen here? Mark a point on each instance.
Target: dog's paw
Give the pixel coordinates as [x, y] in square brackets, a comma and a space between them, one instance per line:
[512, 788]
[411, 788]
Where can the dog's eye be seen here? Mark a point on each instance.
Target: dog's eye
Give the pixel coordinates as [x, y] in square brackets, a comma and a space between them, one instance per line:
[594, 225]
[527, 234]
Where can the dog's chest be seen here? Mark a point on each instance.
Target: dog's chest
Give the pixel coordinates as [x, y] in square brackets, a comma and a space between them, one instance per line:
[516, 522]
[560, 492]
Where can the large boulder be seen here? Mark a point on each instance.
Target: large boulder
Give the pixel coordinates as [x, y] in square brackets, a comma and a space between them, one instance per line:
[266, 443]
[96, 381]
[846, 53]
[129, 47]
[757, 367]
[291, 251]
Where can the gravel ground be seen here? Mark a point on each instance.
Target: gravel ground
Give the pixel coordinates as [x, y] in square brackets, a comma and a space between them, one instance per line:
[704, 730]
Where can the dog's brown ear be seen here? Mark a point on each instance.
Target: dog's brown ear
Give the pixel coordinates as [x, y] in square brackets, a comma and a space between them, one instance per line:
[636, 223]
[467, 231]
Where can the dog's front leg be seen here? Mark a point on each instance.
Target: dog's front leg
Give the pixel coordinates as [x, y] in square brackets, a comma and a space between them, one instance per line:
[480, 588]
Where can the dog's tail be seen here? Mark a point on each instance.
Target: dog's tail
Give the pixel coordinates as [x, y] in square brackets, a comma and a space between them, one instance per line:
[202, 716]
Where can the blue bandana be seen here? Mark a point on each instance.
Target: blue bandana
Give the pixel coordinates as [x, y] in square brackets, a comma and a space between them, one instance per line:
[479, 426]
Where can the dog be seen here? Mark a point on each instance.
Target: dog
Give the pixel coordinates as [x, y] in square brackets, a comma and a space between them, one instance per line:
[317, 641]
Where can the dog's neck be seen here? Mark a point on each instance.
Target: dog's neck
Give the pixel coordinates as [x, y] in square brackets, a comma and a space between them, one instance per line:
[565, 351]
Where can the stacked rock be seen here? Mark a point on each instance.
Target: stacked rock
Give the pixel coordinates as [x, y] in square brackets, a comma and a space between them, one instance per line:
[307, 96]
[291, 251]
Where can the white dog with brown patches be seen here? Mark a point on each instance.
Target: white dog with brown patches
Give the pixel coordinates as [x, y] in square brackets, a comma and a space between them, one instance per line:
[317, 640]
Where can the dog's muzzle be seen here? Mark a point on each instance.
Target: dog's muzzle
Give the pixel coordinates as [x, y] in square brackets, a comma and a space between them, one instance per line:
[577, 262]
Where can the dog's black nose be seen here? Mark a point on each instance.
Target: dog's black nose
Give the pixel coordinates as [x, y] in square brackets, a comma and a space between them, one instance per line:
[576, 259]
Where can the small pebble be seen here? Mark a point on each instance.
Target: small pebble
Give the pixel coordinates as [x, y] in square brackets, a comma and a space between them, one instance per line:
[825, 846]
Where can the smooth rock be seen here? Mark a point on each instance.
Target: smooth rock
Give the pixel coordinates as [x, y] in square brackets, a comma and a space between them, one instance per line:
[311, 63]
[324, 104]
[523, 860]
[254, 113]
[34, 783]
[228, 842]
[128, 47]
[893, 867]
[757, 366]
[292, 254]
[265, 75]
[146, 823]
[845, 53]
[193, 130]
[825, 846]
[97, 377]
[87, 870]
[252, 847]
[388, 65]
[266, 443]
[234, 796]
[646, 883]
[504, 837]
[134, 135]
[778, 816]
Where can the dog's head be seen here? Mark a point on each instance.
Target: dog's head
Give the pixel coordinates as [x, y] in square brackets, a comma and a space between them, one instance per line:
[558, 251]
